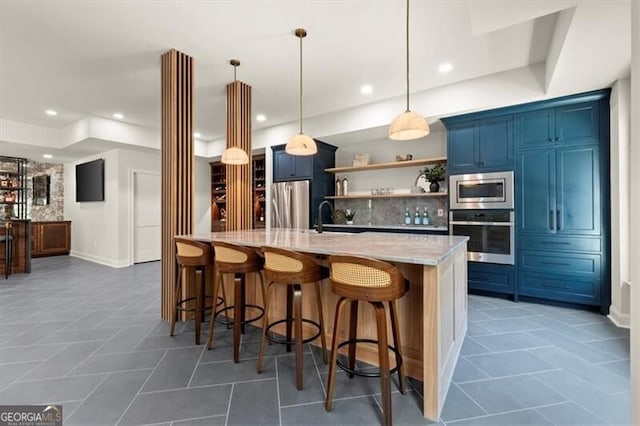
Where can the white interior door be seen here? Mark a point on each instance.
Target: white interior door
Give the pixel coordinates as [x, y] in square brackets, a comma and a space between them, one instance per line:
[146, 217]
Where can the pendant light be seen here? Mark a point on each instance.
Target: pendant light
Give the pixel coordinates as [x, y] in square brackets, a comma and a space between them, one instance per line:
[301, 144]
[234, 155]
[408, 125]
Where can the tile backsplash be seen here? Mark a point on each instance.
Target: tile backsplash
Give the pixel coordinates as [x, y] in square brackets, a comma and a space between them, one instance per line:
[391, 211]
[55, 209]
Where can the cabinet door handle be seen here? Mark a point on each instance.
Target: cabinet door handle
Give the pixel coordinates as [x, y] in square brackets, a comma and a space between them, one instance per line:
[555, 285]
[556, 263]
[558, 225]
[551, 220]
[550, 139]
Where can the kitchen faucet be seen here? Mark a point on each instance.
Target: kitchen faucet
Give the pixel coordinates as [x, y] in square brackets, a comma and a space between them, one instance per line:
[319, 229]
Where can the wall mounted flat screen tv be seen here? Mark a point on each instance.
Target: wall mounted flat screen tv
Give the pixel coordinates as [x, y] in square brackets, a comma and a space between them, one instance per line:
[90, 181]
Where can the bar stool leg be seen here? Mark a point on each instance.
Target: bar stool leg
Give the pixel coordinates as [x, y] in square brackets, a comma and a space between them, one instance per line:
[353, 334]
[331, 383]
[238, 317]
[323, 339]
[263, 339]
[297, 314]
[383, 356]
[174, 316]
[216, 288]
[289, 314]
[198, 308]
[396, 344]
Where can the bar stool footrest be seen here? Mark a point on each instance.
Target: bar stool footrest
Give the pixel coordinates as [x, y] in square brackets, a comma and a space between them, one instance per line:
[227, 321]
[292, 342]
[363, 373]
[204, 308]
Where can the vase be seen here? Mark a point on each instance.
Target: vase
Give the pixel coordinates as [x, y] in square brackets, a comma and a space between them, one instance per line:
[349, 222]
[434, 187]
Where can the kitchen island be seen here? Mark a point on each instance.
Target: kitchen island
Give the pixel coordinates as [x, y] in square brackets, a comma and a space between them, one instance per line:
[432, 315]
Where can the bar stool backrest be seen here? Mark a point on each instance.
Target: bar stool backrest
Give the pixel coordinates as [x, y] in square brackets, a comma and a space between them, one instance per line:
[289, 267]
[231, 257]
[193, 253]
[366, 279]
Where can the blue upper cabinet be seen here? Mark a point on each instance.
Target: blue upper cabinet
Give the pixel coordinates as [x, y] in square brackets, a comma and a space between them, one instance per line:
[478, 146]
[564, 125]
[536, 196]
[287, 167]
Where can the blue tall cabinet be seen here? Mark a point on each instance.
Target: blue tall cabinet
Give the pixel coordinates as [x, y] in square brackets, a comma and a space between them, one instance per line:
[559, 151]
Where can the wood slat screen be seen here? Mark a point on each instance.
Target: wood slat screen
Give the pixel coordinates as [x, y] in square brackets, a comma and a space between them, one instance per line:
[177, 164]
[239, 188]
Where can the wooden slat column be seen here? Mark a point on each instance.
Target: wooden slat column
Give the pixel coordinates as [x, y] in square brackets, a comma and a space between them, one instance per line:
[177, 164]
[239, 190]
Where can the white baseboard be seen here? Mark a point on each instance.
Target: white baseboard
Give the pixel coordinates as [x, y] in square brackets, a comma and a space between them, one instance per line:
[101, 260]
[619, 319]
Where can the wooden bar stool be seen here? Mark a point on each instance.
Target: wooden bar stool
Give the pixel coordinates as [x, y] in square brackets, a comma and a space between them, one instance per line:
[357, 279]
[239, 261]
[193, 256]
[292, 269]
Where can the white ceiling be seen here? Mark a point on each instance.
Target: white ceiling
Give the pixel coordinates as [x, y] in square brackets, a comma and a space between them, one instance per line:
[93, 58]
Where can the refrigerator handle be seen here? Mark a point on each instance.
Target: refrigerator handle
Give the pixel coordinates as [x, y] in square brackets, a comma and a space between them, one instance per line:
[276, 216]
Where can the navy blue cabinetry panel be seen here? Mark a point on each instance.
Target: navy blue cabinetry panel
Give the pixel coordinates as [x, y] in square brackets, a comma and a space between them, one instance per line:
[578, 195]
[495, 141]
[491, 277]
[462, 148]
[535, 191]
[565, 288]
[287, 167]
[479, 146]
[569, 124]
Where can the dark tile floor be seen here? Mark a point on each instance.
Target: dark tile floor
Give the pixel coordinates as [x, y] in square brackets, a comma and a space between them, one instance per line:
[89, 337]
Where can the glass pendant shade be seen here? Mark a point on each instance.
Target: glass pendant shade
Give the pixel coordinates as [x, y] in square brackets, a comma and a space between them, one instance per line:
[235, 156]
[408, 126]
[301, 144]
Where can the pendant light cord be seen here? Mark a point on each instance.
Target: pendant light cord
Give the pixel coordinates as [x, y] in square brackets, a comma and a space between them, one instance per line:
[300, 84]
[407, 56]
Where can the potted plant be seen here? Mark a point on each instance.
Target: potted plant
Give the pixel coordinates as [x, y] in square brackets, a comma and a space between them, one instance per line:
[434, 175]
[350, 214]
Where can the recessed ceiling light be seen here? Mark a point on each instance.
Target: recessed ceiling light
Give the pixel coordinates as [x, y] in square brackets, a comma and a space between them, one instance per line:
[445, 67]
[118, 115]
[196, 135]
[366, 89]
[47, 155]
[51, 112]
[261, 117]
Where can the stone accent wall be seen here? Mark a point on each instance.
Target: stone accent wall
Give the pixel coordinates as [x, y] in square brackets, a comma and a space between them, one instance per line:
[55, 210]
[390, 211]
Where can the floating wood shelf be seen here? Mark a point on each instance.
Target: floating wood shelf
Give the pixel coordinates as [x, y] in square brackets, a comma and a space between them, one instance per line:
[391, 165]
[361, 196]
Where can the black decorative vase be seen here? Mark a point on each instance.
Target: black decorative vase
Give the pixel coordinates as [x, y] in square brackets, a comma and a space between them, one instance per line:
[434, 187]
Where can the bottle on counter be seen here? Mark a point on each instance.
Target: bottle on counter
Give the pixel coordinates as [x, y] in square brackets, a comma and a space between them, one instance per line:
[416, 218]
[407, 217]
[261, 214]
[425, 217]
[338, 186]
[345, 186]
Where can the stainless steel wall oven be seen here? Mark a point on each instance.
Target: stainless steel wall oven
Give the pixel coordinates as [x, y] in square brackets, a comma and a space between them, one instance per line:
[491, 234]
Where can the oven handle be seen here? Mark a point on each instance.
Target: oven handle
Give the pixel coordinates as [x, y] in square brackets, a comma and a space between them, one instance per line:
[482, 223]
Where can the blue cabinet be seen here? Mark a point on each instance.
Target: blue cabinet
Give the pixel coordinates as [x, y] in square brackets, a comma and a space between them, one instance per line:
[558, 190]
[287, 167]
[477, 146]
[491, 277]
[567, 124]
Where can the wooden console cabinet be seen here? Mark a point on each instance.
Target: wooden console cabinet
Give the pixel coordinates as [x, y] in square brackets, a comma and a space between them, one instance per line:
[50, 238]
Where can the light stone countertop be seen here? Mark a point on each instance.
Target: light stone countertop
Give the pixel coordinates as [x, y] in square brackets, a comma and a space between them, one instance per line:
[421, 249]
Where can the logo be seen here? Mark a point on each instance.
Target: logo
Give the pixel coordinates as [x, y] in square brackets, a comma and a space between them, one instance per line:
[30, 415]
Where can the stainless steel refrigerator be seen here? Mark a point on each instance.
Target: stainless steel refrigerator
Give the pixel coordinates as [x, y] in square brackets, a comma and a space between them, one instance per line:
[290, 204]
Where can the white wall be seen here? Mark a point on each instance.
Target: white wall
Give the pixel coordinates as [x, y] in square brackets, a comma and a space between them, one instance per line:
[100, 231]
[94, 225]
[634, 209]
[620, 144]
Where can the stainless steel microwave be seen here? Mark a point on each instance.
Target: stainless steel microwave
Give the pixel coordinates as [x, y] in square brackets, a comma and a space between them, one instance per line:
[481, 191]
